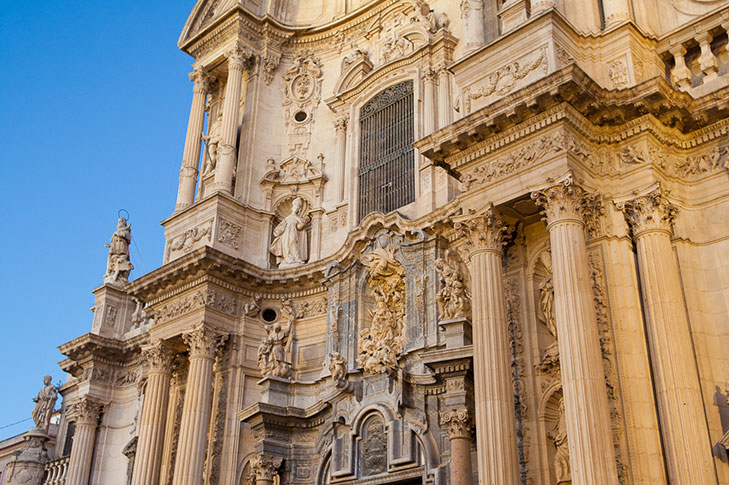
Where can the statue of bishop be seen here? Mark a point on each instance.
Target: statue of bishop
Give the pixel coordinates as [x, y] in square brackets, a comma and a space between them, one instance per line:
[118, 265]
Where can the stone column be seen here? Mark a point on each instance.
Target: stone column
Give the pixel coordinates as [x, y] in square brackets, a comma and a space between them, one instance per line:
[458, 423]
[158, 358]
[86, 413]
[587, 412]
[191, 445]
[493, 395]
[430, 115]
[264, 468]
[191, 153]
[473, 24]
[678, 394]
[445, 109]
[225, 165]
[707, 60]
[340, 126]
[615, 11]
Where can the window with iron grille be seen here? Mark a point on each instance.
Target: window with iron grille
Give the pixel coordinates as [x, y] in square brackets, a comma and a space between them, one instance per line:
[386, 156]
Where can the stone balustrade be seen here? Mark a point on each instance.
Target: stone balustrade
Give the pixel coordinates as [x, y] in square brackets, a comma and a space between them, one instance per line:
[697, 54]
[55, 471]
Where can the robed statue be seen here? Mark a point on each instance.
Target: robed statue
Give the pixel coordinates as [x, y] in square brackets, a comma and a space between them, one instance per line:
[289, 237]
[45, 402]
[118, 264]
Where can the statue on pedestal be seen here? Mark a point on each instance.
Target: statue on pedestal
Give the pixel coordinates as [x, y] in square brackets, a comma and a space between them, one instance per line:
[212, 140]
[118, 264]
[289, 238]
[45, 402]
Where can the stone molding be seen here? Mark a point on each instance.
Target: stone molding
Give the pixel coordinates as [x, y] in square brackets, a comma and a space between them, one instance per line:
[648, 213]
[458, 423]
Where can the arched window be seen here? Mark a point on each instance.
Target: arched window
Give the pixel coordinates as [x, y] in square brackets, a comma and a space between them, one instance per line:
[373, 447]
[386, 157]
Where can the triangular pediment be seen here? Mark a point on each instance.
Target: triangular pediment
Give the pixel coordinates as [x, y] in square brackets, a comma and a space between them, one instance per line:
[203, 14]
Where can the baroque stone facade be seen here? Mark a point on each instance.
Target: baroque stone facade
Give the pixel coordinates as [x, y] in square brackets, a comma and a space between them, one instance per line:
[547, 305]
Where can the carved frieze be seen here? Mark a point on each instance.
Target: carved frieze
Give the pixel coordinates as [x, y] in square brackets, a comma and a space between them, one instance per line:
[202, 298]
[185, 241]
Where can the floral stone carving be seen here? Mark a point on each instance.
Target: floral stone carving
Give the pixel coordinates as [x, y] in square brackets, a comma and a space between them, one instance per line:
[383, 341]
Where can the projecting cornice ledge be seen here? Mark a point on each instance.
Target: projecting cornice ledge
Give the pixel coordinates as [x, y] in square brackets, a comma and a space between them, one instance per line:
[600, 106]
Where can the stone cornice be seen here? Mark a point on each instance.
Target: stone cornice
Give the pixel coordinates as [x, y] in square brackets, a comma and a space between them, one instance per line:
[284, 416]
[107, 349]
[598, 106]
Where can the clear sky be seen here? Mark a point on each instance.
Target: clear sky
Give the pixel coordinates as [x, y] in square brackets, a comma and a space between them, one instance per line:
[94, 100]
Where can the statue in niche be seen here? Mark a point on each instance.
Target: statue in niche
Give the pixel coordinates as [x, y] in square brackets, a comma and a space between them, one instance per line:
[212, 141]
[453, 298]
[289, 237]
[558, 435]
[45, 402]
[118, 265]
[550, 359]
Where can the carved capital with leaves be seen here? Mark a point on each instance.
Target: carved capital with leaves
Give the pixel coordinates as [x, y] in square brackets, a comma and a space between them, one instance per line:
[648, 213]
[458, 423]
[340, 124]
[85, 410]
[203, 342]
[567, 202]
[158, 358]
[483, 230]
[264, 467]
[201, 79]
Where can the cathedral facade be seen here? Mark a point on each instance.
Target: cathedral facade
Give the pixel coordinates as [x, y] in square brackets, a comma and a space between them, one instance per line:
[417, 242]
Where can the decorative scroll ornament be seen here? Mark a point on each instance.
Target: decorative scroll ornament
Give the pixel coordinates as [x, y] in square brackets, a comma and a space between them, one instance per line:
[454, 300]
[458, 422]
[502, 81]
[482, 230]
[650, 212]
[383, 341]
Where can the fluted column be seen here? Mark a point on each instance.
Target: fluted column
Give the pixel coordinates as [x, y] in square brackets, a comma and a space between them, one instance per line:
[191, 445]
[430, 115]
[445, 108]
[678, 394]
[340, 127]
[225, 165]
[587, 412]
[85, 411]
[493, 394]
[615, 11]
[458, 423]
[264, 468]
[148, 458]
[473, 24]
[191, 153]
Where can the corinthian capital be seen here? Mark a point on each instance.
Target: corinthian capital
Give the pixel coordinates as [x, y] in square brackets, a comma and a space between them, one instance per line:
[158, 357]
[565, 202]
[340, 124]
[264, 467]
[85, 410]
[484, 230]
[201, 79]
[236, 55]
[458, 423]
[467, 6]
[650, 212]
[203, 341]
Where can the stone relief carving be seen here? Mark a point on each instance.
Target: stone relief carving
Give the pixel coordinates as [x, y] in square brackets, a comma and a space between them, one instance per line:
[253, 308]
[618, 73]
[383, 341]
[454, 300]
[289, 245]
[374, 447]
[700, 164]
[185, 241]
[518, 364]
[274, 352]
[503, 80]
[563, 57]
[229, 234]
[210, 298]
[301, 95]
[140, 316]
[118, 265]
[45, 401]
[558, 436]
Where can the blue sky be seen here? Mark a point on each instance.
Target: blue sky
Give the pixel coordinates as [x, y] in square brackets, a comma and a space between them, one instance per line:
[94, 100]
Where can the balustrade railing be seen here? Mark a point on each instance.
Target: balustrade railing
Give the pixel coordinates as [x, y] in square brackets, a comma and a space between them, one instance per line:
[697, 53]
[56, 471]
